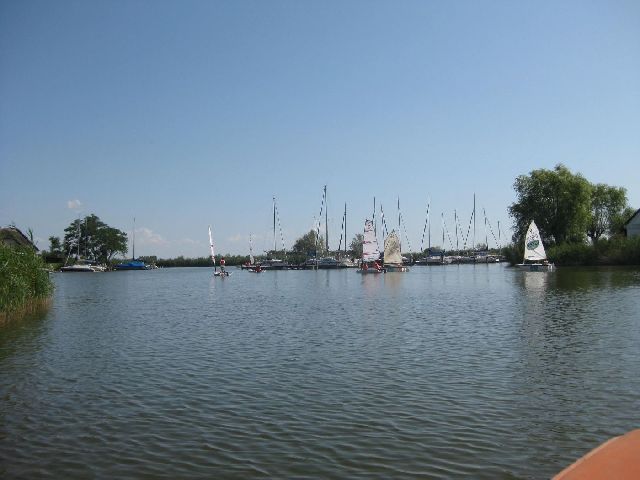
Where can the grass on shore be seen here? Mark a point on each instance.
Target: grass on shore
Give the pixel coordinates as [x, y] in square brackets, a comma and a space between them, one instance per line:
[25, 285]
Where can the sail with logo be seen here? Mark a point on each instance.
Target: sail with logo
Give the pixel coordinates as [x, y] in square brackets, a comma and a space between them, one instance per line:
[535, 257]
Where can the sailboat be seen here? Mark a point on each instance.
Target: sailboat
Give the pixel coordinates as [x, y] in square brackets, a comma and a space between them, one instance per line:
[370, 252]
[535, 258]
[392, 255]
[216, 273]
[251, 264]
[133, 264]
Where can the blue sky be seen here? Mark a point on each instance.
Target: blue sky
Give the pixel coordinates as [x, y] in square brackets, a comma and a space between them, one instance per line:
[185, 114]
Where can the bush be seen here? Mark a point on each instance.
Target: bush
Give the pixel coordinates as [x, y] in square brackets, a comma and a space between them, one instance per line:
[23, 279]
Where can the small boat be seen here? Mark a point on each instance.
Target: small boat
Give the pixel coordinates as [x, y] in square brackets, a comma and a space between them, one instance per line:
[392, 255]
[78, 267]
[222, 272]
[618, 458]
[370, 253]
[133, 264]
[84, 266]
[535, 258]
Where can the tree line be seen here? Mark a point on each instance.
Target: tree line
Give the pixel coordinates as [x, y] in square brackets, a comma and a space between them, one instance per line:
[573, 215]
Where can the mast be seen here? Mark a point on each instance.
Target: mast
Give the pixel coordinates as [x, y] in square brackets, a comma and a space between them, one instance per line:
[133, 243]
[274, 224]
[486, 235]
[345, 229]
[455, 219]
[326, 221]
[375, 228]
[78, 255]
[474, 221]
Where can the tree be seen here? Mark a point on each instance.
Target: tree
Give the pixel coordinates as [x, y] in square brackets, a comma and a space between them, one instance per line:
[55, 247]
[607, 207]
[308, 243]
[356, 245]
[559, 202]
[94, 239]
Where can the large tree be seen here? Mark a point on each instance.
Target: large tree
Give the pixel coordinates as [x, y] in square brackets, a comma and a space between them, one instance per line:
[559, 202]
[94, 239]
[608, 206]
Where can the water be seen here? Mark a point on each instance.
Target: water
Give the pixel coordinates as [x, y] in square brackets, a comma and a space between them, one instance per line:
[443, 372]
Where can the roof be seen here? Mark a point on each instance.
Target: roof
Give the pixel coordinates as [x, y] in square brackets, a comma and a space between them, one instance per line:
[632, 217]
[13, 237]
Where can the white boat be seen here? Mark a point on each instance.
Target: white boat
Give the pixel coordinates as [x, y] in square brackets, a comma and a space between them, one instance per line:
[535, 258]
[392, 255]
[78, 267]
[370, 253]
[216, 273]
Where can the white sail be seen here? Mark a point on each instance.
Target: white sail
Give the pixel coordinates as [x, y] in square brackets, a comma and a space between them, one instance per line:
[251, 259]
[213, 255]
[370, 251]
[392, 253]
[533, 248]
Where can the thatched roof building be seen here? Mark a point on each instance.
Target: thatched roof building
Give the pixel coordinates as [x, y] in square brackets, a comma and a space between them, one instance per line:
[13, 237]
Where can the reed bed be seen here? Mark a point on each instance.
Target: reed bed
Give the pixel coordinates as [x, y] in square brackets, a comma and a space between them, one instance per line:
[25, 285]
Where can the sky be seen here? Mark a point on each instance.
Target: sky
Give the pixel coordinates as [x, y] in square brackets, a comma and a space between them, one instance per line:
[184, 114]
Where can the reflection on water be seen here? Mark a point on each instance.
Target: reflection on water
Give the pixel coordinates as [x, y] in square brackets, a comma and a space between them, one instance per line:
[455, 371]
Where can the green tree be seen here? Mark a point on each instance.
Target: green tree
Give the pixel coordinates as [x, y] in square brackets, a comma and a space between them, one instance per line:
[55, 247]
[607, 207]
[356, 245]
[94, 239]
[308, 243]
[559, 202]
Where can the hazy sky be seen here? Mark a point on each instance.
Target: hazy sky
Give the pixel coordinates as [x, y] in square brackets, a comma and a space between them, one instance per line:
[189, 113]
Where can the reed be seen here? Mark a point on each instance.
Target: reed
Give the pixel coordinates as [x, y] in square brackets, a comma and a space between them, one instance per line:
[25, 285]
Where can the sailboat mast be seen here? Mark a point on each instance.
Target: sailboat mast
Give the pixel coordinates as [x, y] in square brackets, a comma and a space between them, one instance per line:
[326, 221]
[486, 236]
[455, 219]
[134, 239]
[474, 221]
[274, 224]
[345, 228]
[78, 256]
[375, 227]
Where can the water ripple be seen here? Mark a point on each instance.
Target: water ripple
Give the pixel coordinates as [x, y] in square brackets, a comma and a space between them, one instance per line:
[461, 371]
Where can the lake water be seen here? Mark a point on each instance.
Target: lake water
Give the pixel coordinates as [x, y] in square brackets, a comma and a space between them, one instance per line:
[443, 372]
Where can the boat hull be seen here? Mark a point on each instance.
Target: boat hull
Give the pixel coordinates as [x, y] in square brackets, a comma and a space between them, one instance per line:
[616, 458]
[396, 268]
[536, 267]
[78, 269]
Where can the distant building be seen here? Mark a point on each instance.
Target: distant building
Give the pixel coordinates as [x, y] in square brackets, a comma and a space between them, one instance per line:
[632, 227]
[13, 237]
